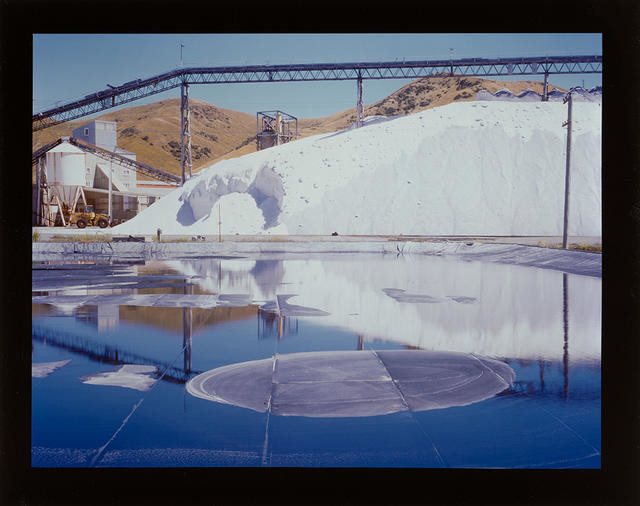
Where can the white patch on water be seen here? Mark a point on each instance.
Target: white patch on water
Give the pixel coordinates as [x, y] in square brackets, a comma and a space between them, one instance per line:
[137, 377]
[44, 369]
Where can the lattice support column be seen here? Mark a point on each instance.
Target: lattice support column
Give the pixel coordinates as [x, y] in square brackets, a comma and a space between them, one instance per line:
[359, 103]
[39, 164]
[545, 88]
[185, 131]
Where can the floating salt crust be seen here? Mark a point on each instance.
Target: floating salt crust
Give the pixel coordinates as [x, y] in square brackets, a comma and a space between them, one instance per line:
[354, 383]
[43, 369]
[283, 308]
[157, 300]
[417, 298]
[138, 377]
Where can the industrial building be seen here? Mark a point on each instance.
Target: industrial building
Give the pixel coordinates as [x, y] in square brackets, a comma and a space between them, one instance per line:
[274, 128]
[94, 171]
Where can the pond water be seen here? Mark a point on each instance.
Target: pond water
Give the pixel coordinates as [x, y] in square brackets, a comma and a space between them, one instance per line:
[326, 360]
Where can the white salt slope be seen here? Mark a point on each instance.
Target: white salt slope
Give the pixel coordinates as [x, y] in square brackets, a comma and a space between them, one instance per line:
[485, 168]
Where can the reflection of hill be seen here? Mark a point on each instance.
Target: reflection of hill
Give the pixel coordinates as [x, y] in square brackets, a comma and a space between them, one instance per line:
[41, 309]
[268, 275]
[172, 318]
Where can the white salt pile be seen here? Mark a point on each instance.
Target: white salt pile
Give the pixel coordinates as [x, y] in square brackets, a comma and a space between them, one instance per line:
[472, 168]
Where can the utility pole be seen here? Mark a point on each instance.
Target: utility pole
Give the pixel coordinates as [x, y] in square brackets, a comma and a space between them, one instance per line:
[359, 103]
[451, 59]
[110, 185]
[565, 229]
[181, 46]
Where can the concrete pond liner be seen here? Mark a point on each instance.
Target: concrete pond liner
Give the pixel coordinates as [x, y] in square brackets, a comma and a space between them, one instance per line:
[570, 261]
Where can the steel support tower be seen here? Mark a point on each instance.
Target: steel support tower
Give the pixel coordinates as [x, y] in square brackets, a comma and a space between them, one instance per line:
[479, 67]
[185, 131]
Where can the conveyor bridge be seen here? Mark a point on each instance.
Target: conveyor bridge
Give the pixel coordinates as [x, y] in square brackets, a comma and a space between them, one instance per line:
[115, 96]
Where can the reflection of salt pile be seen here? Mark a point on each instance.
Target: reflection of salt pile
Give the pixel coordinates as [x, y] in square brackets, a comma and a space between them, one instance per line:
[486, 168]
[283, 308]
[430, 302]
[354, 383]
[516, 311]
[43, 369]
[138, 377]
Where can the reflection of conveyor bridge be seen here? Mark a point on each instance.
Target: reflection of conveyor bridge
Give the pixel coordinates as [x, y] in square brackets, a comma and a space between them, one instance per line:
[109, 156]
[108, 354]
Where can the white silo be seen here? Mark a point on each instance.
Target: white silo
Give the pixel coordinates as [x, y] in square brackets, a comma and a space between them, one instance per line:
[65, 172]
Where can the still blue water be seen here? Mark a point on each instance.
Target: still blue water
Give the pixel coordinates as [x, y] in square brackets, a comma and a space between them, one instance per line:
[544, 324]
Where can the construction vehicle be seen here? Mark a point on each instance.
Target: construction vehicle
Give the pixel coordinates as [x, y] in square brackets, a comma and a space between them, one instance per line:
[85, 215]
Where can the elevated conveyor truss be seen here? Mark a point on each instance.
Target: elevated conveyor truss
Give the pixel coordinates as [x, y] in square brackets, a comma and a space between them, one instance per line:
[115, 96]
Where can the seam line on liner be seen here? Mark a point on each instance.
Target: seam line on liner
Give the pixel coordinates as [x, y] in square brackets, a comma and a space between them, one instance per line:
[98, 455]
[265, 446]
[571, 430]
[485, 366]
[555, 462]
[439, 457]
[305, 382]
[101, 450]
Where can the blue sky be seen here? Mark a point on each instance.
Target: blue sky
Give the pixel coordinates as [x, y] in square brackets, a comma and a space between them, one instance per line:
[70, 66]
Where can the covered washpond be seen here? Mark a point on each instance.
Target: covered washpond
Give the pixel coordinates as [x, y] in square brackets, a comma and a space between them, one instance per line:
[315, 360]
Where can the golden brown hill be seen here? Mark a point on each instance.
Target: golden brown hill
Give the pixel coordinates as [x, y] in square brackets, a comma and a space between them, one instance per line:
[153, 131]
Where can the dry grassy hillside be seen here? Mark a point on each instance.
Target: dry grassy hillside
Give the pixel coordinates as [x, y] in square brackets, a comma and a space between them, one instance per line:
[153, 131]
[417, 96]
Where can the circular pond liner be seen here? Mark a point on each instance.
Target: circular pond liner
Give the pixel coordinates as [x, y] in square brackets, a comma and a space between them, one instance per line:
[331, 384]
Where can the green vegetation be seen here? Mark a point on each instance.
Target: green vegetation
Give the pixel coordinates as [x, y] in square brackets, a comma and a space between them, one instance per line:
[278, 239]
[179, 239]
[129, 132]
[82, 238]
[465, 94]
[574, 246]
